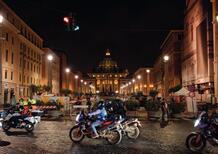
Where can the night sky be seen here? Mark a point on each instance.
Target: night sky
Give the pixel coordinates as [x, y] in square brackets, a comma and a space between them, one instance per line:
[132, 30]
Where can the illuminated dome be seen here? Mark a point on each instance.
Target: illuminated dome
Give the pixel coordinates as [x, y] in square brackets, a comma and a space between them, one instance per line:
[107, 64]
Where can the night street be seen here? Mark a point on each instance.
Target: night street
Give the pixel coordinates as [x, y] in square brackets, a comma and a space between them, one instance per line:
[52, 137]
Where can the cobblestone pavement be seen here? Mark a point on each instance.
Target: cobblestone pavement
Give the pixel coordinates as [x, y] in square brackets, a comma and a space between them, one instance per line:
[52, 137]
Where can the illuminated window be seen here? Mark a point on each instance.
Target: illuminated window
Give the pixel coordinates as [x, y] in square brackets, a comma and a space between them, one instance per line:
[115, 82]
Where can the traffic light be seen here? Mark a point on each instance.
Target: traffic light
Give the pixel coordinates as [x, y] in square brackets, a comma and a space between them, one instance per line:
[70, 23]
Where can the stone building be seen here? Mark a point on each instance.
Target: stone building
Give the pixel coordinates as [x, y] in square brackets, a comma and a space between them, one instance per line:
[21, 55]
[142, 80]
[51, 69]
[172, 47]
[107, 77]
[197, 57]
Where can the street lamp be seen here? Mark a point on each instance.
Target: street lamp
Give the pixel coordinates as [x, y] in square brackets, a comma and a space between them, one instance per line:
[76, 84]
[165, 60]
[85, 83]
[67, 70]
[148, 71]
[1, 19]
[148, 81]
[139, 77]
[50, 59]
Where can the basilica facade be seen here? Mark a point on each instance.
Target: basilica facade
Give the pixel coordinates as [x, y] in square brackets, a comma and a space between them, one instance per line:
[107, 77]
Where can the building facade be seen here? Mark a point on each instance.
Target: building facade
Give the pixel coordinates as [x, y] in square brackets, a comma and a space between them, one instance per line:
[21, 56]
[142, 80]
[172, 47]
[51, 70]
[107, 77]
[197, 57]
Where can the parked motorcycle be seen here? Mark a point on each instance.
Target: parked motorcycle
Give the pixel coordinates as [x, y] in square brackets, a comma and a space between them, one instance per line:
[130, 128]
[110, 129]
[16, 120]
[208, 131]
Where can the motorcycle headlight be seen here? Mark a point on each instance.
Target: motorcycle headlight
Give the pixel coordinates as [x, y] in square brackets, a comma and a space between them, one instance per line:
[197, 122]
[77, 118]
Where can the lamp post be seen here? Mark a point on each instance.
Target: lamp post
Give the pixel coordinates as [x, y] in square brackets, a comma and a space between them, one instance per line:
[50, 59]
[67, 70]
[1, 31]
[76, 82]
[139, 78]
[148, 81]
[85, 83]
[133, 85]
[81, 87]
[165, 60]
[215, 44]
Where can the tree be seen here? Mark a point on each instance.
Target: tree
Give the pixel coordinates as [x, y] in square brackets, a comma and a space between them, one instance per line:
[33, 90]
[46, 88]
[66, 92]
[153, 93]
[175, 89]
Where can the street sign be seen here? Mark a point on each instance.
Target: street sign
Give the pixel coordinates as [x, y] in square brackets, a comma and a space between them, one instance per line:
[191, 88]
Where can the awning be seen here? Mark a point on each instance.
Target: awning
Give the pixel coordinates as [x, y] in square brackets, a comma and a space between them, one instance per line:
[182, 92]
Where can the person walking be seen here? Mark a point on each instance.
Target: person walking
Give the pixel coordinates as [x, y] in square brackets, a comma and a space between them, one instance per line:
[88, 103]
[164, 109]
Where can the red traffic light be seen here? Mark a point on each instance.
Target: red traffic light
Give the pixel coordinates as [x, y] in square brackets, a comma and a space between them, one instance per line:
[66, 19]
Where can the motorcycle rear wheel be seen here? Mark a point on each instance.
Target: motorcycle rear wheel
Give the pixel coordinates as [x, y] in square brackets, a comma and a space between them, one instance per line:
[5, 126]
[76, 131]
[132, 132]
[29, 127]
[116, 139]
[192, 145]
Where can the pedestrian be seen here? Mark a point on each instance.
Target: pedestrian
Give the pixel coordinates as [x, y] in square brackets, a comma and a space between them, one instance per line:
[13, 100]
[164, 109]
[89, 104]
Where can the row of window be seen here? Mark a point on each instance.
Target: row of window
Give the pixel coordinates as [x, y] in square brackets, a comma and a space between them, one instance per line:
[28, 79]
[29, 52]
[24, 30]
[29, 66]
[6, 75]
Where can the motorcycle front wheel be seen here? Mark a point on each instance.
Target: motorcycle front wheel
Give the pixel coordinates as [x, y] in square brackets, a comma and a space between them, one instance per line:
[116, 137]
[5, 126]
[132, 132]
[76, 134]
[29, 127]
[195, 143]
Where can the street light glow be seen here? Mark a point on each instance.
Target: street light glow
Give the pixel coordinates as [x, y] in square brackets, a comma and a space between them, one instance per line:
[49, 57]
[217, 18]
[139, 77]
[148, 71]
[85, 83]
[166, 58]
[1, 19]
[76, 76]
[67, 70]
[133, 80]
[81, 81]
[129, 83]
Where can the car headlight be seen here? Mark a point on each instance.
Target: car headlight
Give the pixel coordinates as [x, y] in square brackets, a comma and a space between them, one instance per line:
[197, 122]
